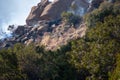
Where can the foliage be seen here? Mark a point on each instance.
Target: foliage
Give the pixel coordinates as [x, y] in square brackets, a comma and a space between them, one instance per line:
[36, 63]
[96, 52]
[70, 18]
[116, 73]
[9, 69]
[89, 58]
[93, 57]
[105, 9]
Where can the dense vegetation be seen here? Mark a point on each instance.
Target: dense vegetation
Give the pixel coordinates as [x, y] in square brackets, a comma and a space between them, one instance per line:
[103, 11]
[94, 57]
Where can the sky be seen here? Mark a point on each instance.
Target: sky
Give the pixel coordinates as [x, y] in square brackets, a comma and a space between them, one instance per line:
[14, 12]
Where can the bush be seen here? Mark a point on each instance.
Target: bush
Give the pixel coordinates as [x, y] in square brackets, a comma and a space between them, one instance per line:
[70, 18]
[9, 69]
[115, 75]
[105, 9]
[96, 52]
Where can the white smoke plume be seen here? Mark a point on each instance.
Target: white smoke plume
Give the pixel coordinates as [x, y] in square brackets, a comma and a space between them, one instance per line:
[14, 12]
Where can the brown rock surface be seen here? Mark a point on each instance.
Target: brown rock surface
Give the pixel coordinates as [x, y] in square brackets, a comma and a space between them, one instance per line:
[47, 11]
[41, 33]
[54, 10]
[36, 12]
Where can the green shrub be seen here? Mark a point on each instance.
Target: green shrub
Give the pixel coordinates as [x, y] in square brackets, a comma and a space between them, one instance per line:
[70, 18]
[96, 52]
[115, 75]
[105, 9]
[9, 69]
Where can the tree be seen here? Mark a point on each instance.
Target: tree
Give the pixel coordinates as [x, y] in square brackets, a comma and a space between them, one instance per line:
[9, 69]
[105, 9]
[96, 52]
[115, 75]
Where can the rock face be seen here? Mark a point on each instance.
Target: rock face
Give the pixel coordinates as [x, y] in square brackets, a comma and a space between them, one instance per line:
[52, 11]
[44, 27]
[41, 35]
[36, 11]
[47, 11]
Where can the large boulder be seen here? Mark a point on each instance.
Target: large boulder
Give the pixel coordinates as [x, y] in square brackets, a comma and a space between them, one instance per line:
[53, 11]
[47, 11]
[36, 11]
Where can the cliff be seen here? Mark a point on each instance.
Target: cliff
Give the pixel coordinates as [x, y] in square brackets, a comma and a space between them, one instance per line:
[52, 11]
[45, 27]
[36, 11]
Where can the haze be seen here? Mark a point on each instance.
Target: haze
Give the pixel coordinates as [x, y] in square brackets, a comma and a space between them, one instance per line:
[14, 12]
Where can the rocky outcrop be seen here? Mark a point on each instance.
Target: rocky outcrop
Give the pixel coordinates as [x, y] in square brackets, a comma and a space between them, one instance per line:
[51, 37]
[47, 11]
[54, 10]
[44, 27]
[61, 35]
[36, 11]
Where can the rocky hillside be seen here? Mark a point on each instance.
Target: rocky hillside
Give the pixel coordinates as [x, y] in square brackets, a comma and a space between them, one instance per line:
[52, 11]
[96, 56]
[44, 25]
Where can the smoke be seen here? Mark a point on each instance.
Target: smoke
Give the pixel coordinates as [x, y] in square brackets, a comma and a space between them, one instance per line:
[14, 12]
